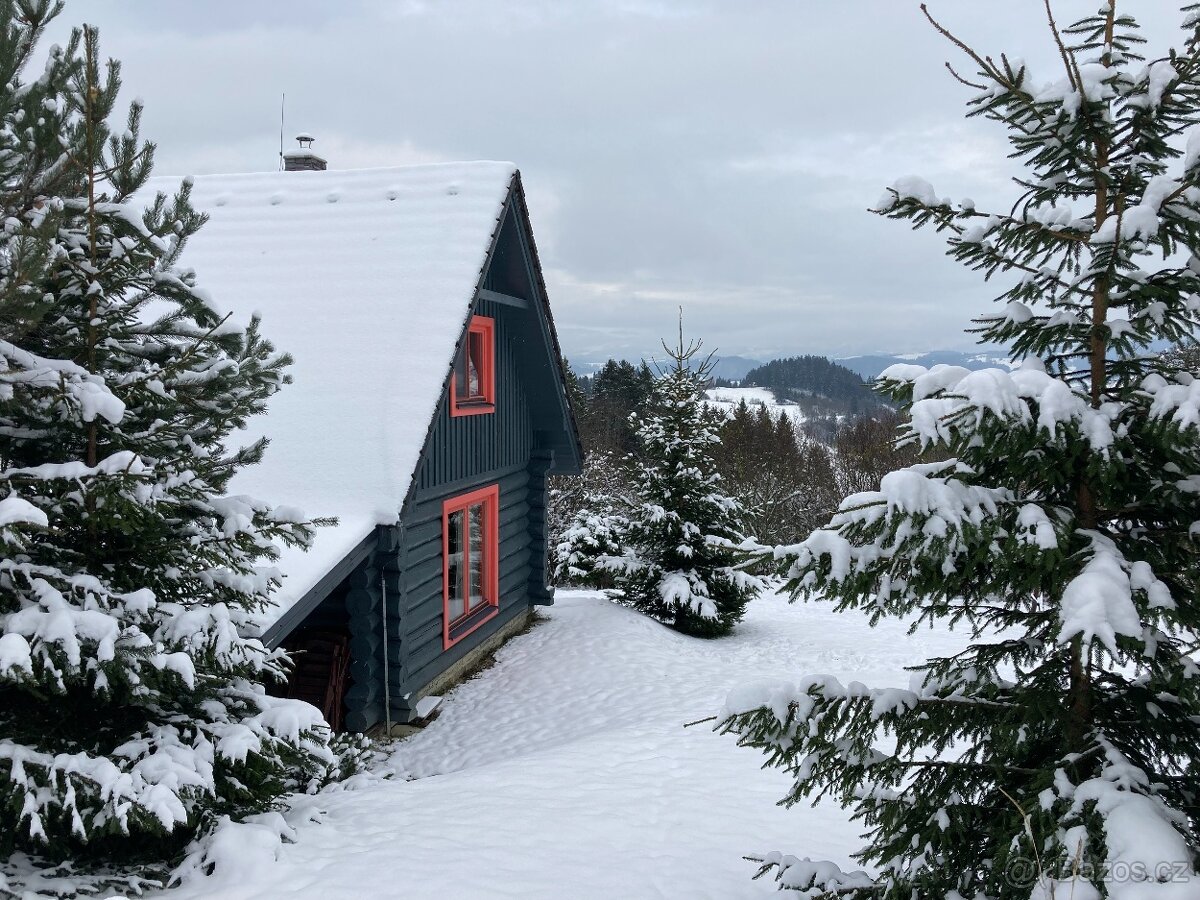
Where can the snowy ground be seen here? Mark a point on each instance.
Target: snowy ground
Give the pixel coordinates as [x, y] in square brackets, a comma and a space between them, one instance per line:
[727, 399]
[564, 770]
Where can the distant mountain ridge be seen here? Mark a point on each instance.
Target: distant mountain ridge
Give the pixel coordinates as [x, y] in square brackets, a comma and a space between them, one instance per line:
[730, 368]
[843, 383]
[867, 365]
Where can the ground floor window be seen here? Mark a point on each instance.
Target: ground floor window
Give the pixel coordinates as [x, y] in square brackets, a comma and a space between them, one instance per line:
[470, 571]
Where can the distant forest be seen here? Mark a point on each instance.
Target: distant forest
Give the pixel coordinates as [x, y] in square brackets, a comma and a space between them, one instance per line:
[818, 385]
[789, 470]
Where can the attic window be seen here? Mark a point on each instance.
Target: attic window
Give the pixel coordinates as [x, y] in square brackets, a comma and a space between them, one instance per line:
[470, 571]
[473, 389]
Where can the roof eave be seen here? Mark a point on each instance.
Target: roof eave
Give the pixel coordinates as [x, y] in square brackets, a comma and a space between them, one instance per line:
[576, 444]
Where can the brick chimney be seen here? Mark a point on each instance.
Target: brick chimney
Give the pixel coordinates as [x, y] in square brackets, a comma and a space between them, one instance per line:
[303, 159]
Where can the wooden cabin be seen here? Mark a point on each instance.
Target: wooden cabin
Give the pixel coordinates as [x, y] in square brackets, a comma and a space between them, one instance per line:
[427, 410]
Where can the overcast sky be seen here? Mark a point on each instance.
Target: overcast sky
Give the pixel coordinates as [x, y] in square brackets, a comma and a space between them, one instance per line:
[715, 154]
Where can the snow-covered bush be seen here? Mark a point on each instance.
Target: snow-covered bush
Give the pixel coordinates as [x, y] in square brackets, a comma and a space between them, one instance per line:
[671, 549]
[574, 504]
[1059, 754]
[596, 532]
[132, 708]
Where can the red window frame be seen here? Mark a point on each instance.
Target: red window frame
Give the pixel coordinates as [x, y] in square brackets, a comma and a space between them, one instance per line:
[488, 498]
[479, 346]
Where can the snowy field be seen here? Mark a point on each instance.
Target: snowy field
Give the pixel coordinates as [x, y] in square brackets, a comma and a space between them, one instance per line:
[565, 770]
[727, 399]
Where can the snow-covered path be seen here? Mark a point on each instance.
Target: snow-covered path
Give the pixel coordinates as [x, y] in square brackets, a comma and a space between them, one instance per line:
[564, 771]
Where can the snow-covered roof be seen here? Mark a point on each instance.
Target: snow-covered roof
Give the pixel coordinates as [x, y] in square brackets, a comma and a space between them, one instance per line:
[366, 277]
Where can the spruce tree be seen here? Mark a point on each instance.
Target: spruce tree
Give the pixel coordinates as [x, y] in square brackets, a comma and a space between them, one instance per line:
[1059, 753]
[672, 548]
[132, 707]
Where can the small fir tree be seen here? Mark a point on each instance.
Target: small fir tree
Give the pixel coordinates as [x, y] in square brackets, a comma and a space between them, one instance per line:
[594, 533]
[1059, 754]
[583, 520]
[132, 706]
[671, 550]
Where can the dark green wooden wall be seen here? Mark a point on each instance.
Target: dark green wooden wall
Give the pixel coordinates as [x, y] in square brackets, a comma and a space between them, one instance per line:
[461, 454]
[462, 449]
[514, 447]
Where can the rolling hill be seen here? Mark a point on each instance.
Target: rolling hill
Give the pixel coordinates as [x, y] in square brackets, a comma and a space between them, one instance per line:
[819, 386]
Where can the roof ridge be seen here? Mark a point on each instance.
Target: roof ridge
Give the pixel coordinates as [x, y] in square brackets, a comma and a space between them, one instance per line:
[444, 164]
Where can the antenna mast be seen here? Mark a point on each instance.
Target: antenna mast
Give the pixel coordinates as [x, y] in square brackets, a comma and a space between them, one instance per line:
[282, 103]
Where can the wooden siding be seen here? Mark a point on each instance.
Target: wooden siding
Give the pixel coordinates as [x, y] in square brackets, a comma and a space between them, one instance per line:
[415, 635]
[540, 591]
[461, 449]
[512, 272]
[462, 454]
[398, 588]
[365, 696]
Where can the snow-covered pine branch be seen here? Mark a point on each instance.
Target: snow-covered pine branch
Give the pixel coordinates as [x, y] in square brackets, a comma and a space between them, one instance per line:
[133, 711]
[1061, 531]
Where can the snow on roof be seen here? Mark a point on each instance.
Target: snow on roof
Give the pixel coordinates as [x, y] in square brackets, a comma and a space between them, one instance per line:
[366, 278]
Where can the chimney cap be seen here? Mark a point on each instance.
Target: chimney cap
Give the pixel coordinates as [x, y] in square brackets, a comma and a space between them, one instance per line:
[305, 139]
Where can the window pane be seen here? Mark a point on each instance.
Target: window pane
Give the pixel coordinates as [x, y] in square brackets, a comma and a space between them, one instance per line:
[477, 553]
[455, 565]
[475, 364]
[469, 368]
[462, 387]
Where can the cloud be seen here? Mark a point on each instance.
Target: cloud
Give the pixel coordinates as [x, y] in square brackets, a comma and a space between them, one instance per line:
[954, 152]
[628, 318]
[715, 154]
